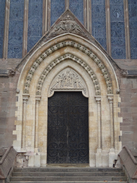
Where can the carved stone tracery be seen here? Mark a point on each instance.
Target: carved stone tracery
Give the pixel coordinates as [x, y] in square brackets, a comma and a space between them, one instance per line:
[68, 80]
[68, 24]
[78, 46]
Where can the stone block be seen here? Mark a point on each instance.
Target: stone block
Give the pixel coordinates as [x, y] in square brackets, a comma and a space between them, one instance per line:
[112, 157]
[99, 158]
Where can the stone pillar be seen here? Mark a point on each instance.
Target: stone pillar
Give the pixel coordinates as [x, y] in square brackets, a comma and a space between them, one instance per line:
[36, 133]
[23, 138]
[112, 154]
[48, 14]
[25, 29]
[127, 34]
[6, 30]
[110, 100]
[99, 149]
[45, 17]
[108, 27]
[89, 19]
[66, 4]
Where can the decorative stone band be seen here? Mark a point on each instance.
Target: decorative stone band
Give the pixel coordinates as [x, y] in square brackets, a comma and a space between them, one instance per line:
[78, 46]
[36, 133]
[59, 60]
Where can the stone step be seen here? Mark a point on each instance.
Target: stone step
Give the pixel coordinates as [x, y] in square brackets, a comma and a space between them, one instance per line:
[68, 181]
[69, 178]
[68, 174]
[67, 170]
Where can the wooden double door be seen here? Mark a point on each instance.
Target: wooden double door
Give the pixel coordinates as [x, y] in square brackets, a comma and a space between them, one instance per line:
[67, 128]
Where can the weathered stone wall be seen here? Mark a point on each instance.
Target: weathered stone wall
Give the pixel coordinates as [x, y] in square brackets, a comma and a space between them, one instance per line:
[128, 88]
[128, 105]
[7, 101]
[7, 109]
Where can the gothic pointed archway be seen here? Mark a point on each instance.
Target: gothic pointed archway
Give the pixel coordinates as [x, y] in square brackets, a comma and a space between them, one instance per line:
[94, 76]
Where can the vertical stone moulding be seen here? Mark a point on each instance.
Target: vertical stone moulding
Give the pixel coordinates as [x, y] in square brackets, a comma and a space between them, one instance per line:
[112, 153]
[36, 133]
[99, 149]
[25, 29]
[108, 28]
[6, 30]
[66, 4]
[25, 100]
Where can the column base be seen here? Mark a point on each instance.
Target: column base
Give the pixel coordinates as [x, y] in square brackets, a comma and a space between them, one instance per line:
[105, 158]
[37, 158]
[112, 157]
[31, 160]
[34, 158]
[98, 158]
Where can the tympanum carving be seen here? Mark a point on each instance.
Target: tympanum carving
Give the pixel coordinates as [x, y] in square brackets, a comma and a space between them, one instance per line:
[68, 80]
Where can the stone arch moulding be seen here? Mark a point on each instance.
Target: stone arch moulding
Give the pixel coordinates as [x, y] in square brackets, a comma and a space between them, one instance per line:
[104, 123]
[78, 46]
[75, 59]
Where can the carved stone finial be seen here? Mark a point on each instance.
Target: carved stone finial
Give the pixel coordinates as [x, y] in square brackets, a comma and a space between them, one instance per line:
[124, 73]
[68, 24]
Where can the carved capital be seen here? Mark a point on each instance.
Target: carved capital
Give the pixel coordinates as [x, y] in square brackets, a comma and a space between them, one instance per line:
[25, 97]
[98, 99]
[110, 98]
[38, 98]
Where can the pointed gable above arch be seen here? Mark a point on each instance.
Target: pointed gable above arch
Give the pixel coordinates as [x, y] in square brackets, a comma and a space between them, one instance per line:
[67, 31]
[66, 24]
[68, 49]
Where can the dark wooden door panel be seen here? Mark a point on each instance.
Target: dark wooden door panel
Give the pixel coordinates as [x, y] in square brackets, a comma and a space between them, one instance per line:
[68, 128]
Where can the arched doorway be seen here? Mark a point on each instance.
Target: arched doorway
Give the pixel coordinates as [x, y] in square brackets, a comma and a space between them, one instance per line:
[39, 80]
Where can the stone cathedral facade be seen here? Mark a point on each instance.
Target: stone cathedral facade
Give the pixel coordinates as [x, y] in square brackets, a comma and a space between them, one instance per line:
[68, 77]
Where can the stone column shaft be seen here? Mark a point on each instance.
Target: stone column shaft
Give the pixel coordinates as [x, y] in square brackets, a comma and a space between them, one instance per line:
[108, 27]
[25, 99]
[6, 29]
[110, 100]
[25, 29]
[45, 17]
[89, 19]
[98, 100]
[99, 149]
[66, 4]
[36, 135]
[48, 14]
[127, 35]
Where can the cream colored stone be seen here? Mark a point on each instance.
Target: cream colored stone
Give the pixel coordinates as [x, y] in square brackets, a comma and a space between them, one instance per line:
[99, 158]
[36, 118]
[105, 158]
[37, 158]
[112, 157]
